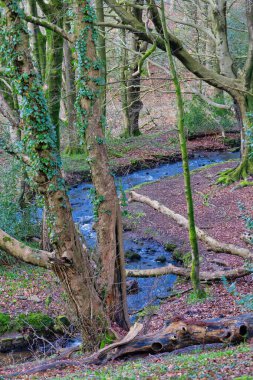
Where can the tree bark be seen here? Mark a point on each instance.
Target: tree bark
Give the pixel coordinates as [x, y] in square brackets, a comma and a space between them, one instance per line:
[53, 71]
[73, 145]
[72, 263]
[112, 282]
[186, 171]
[182, 333]
[134, 80]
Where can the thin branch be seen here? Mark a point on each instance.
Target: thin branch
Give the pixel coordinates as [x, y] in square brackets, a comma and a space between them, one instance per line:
[211, 102]
[48, 25]
[193, 25]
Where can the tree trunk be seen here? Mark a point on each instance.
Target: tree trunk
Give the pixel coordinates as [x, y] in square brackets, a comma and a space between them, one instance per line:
[134, 81]
[186, 171]
[38, 41]
[101, 52]
[53, 74]
[73, 145]
[180, 333]
[244, 109]
[123, 84]
[112, 281]
[71, 260]
[212, 243]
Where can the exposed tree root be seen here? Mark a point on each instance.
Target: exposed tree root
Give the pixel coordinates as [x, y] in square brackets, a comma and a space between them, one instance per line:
[178, 334]
[213, 244]
[239, 173]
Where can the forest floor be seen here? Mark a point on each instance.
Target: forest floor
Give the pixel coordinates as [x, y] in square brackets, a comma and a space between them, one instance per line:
[221, 212]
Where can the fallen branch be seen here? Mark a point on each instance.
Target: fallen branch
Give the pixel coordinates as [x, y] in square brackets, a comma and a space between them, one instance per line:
[24, 252]
[184, 272]
[215, 245]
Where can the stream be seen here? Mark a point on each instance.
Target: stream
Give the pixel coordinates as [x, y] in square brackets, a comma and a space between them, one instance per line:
[150, 290]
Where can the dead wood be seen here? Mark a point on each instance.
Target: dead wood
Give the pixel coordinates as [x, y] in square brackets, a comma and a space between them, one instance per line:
[178, 334]
[184, 272]
[182, 333]
[212, 243]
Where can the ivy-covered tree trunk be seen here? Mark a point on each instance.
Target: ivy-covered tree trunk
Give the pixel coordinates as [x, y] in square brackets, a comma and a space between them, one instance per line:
[90, 119]
[97, 295]
[101, 52]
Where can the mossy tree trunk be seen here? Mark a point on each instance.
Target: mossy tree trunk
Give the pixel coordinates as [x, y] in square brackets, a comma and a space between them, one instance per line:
[73, 145]
[38, 41]
[90, 119]
[123, 83]
[101, 52]
[54, 59]
[97, 295]
[187, 179]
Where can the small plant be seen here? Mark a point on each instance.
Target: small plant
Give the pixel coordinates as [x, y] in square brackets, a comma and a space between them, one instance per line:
[148, 311]
[244, 300]
[187, 259]
[201, 296]
[205, 198]
[170, 247]
[4, 322]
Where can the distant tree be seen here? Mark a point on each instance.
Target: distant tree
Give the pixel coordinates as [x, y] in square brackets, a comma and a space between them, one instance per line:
[238, 83]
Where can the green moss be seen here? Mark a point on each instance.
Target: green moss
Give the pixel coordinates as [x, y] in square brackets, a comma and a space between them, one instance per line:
[6, 239]
[38, 321]
[132, 256]
[61, 323]
[5, 320]
[170, 247]
[178, 255]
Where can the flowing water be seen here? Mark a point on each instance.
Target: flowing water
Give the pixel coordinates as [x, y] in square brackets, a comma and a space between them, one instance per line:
[150, 290]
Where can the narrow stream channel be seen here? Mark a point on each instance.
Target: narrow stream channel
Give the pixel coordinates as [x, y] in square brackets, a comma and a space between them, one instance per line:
[151, 290]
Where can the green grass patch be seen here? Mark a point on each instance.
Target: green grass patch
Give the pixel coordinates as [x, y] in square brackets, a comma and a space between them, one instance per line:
[207, 365]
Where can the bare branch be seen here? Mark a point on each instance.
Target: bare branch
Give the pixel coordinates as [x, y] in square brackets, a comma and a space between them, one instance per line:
[48, 25]
[211, 102]
[230, 85]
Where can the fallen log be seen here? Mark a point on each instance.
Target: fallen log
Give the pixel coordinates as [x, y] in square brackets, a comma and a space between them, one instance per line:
[214, 244]
[184, 272]
[179, 333]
